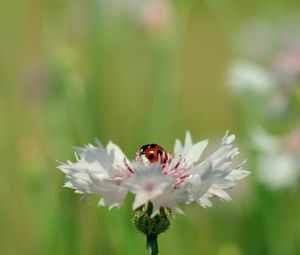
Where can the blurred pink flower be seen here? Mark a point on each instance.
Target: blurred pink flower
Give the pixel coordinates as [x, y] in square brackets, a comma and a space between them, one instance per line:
[153, 15]
[156, 15]
[287, 64]
[292, 142]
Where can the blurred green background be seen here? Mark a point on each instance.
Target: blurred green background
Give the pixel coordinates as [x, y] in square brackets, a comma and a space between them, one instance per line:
[73, 71]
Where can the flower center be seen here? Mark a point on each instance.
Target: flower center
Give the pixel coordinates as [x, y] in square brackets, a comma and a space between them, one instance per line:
[149, 186]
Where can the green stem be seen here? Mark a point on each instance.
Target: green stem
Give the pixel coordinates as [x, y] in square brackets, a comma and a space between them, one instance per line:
[152, 246]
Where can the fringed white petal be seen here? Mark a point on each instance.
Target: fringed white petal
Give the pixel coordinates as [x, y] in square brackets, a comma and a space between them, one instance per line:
[108, 173]
[215, 174]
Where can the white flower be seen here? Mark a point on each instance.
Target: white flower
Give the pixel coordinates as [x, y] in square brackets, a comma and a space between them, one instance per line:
[269, 64]
[148, 183]
[98, 171]
[245, 76]
[278, 163]
[180, 178]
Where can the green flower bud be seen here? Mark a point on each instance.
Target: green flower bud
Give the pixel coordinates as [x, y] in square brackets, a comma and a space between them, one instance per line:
[152, 226]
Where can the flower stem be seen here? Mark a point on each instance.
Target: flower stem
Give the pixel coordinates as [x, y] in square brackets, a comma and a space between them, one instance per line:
[152, 246]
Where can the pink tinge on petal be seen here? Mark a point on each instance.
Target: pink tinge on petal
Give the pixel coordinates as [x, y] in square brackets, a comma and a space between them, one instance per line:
[138, 157]
[118, 181]
[178, 183]
[149, 186]
[175, 168]
[129, 169]
[165, 168]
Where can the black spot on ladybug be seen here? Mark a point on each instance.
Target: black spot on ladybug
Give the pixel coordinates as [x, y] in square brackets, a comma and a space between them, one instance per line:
[152, 145]
[159, 152]
[151, 156]
[144, 148]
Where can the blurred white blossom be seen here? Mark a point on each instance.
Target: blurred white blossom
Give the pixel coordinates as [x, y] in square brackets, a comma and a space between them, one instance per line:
[278, 162]
[269, 63]
[182, 178]
[245, 76]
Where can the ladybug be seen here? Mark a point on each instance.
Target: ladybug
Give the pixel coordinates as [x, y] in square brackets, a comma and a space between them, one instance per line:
[154, 153]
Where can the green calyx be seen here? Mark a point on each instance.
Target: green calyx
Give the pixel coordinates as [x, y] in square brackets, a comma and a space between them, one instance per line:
[152, 226]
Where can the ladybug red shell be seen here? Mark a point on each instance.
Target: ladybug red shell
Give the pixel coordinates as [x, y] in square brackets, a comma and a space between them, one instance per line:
[154, 153]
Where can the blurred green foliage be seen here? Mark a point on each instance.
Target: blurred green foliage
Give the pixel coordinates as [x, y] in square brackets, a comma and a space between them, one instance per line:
[71, 72]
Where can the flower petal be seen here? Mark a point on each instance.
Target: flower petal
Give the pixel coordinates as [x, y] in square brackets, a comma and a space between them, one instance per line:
[147, 183]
